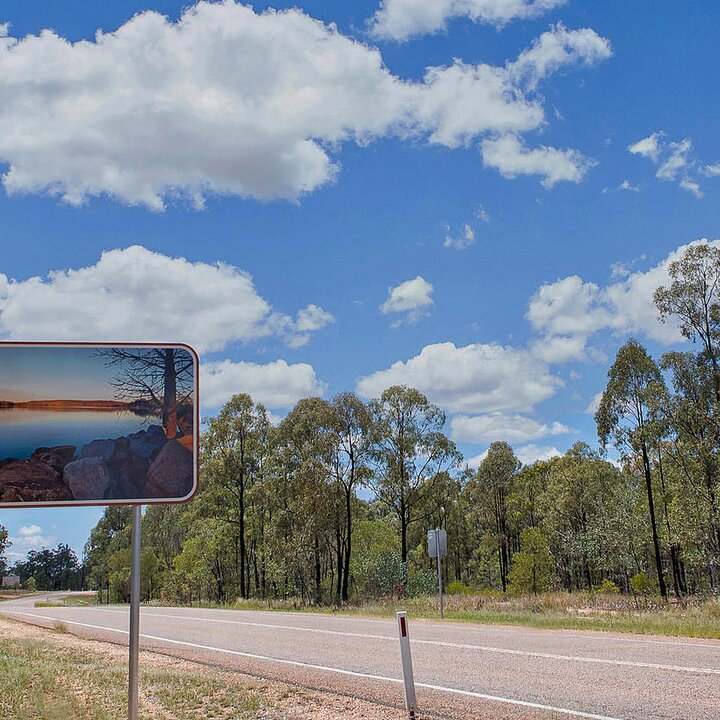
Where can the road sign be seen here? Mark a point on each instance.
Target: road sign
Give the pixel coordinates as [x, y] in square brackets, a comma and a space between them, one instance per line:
[437, 538]
[97, 424]
[100, 424]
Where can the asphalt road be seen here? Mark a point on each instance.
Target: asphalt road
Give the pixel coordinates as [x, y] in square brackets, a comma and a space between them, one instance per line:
[461, 671]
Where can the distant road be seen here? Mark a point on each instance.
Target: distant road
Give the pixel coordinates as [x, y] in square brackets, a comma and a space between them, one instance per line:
[461, 671]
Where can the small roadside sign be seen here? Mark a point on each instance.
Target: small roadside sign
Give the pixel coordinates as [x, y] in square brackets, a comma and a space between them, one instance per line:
[437, 538]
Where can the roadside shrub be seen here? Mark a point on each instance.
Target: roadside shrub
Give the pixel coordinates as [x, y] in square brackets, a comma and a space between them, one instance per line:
[608, 587]
[712, 607]
[421, 583]
[30, 584]
[532, 567]
[384, 575]
[642, 584]
[459, 588]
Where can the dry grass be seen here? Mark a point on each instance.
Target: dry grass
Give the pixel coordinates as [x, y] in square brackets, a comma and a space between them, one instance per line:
[588, 611]
[69, 601]
[49, 676]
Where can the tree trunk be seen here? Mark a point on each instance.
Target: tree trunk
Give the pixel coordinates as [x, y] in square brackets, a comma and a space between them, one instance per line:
[653, 522]
[403, 530]
[318, 576]
[339, 544]
[169, 410]
[241, 520]
[348, 544]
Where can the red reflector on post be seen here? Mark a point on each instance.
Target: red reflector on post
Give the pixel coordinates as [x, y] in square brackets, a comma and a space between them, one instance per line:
[403, 627]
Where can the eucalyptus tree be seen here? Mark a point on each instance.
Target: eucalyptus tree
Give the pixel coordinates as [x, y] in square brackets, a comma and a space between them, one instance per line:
[112, 533]
[525, 501]
[533, 565]
[578, 499]
[305, 450]
[696, 445]
[235, 448]
[489, 491]
[165, 528]
[409, 453]
[629, 414]
[693, 298]
[350, 423]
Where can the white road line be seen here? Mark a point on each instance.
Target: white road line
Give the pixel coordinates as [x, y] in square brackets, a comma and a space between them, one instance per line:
[599, 635]
[440, 643]
[339, 671]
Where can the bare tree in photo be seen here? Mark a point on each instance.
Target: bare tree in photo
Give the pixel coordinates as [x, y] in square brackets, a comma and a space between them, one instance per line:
[155, 378]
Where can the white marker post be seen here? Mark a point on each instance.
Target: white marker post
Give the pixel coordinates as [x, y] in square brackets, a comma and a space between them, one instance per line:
[407, 664]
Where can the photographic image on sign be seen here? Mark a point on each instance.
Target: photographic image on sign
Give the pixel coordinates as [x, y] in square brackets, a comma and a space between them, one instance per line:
[97, 424]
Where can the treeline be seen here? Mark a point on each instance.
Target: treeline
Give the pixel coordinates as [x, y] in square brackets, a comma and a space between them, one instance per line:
[334, 502]
[51, 569]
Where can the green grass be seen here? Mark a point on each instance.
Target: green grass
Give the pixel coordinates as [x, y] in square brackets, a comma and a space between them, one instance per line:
[70, 601]
[44, 679]
[577, 611]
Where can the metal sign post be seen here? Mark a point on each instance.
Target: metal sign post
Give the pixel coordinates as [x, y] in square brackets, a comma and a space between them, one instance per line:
[439, 571]
[437, 548]
[134, 641]
[407, 668]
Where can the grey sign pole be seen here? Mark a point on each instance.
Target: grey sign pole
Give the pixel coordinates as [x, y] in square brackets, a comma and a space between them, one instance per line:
[437, 548]
[439, 571]
[134, 642]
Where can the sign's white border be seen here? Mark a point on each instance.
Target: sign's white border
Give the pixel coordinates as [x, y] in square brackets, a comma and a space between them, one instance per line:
[196, 426]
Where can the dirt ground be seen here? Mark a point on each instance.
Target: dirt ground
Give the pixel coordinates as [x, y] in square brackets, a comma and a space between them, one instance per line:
[261, 699]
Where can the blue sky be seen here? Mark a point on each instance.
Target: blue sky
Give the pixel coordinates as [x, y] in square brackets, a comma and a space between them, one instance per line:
[52, 373]
[316, 211]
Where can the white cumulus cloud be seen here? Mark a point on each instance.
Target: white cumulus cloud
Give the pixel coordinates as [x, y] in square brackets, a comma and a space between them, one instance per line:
[229, 101]
[594, 404]
[529, 454]
[501, 426]
[313, 318]
[511, 158]
[570, 310]
[557, 48]
[412, 297]
[278, 385]
[648, 147]
[674, 161]
[28, 537]
[627, 185]
[559, 348]
[401, 19]
[478, 378]
[135, 294]
[463, 241]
